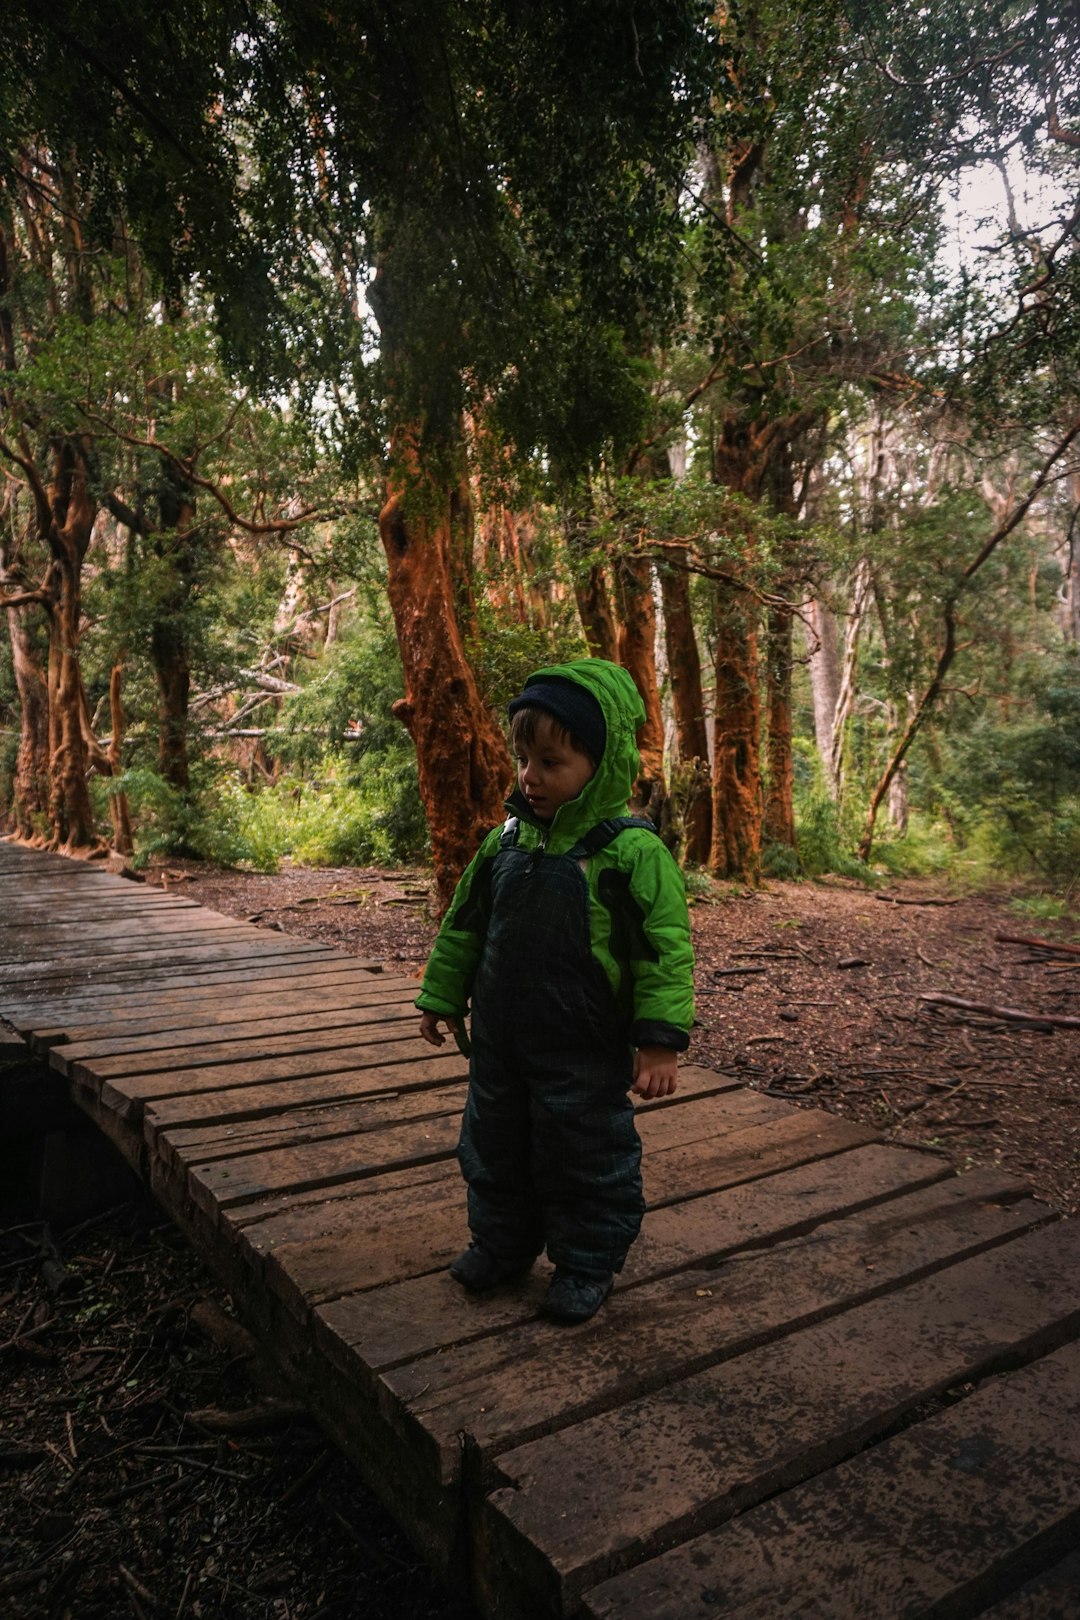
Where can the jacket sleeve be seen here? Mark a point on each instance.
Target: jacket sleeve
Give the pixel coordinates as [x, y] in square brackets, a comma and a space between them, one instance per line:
[451, 967]
[662, 967]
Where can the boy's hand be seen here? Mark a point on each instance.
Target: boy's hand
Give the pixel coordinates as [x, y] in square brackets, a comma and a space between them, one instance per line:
[656, 1071]
[429, 1027]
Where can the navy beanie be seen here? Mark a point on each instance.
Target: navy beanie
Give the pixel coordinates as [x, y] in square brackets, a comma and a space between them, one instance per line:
[573, 706]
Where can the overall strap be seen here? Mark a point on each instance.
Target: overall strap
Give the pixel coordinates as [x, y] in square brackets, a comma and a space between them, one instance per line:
[511, 828]
[605, 833]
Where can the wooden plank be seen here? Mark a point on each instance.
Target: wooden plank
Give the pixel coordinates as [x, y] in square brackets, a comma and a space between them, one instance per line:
[253, 1102]
[48, 878]
[301, 1249]
[44, 958]
[230, 1005]
[301, 1091]
[932, 1522]
[345, 1261]
[267, 1220]
[46, 976]
[728, 1438]
[107, 930]
[536, 1378]
[229, 1181]
[1053, 1594]
[92, 908]
[435, 1313]
[219, 1063]
[221, 1184]
[400, 1324]
[259, 1230]
[229, 1140]
[289, 1031]
[136, 998]
[686, 1169]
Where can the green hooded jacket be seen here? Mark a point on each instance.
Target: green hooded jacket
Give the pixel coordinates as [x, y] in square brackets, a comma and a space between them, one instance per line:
[638, 919]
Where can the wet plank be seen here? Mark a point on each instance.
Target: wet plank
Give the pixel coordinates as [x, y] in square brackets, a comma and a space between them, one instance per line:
[1052, 1594]
[287, 1031]
[729, 1438]
[229, 1005]
[534, 1378]
[936, 1520]
[44, 1019]
[228, 1104]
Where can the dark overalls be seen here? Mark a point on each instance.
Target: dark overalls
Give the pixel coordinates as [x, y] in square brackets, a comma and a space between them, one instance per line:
[548, 1142]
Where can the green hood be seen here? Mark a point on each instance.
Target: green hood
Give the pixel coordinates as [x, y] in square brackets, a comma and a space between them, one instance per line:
[608, 791]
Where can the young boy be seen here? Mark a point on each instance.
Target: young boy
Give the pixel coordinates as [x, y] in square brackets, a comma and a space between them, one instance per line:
[570, 935]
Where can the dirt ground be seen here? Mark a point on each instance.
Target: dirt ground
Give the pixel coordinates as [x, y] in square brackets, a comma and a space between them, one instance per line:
[149, 1465]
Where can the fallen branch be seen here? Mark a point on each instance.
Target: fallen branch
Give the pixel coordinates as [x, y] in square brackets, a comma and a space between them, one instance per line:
[773, 956]
[897, 900]
[940, 1127]
[246, 1420]
[1038, 944]
[1012, 1015]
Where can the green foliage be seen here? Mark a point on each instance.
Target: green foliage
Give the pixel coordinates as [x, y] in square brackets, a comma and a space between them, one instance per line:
[821, 846]
[374, 805]
[1013, 787]
[328, 822]
[781, 862]
[505, 653]
[207, 823]
[1046, 907]
[925, 850]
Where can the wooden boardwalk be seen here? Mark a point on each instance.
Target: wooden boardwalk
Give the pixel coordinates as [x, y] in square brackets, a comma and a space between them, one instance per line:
[835, 1379]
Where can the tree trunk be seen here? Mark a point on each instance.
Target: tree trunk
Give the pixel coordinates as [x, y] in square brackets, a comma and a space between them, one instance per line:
[172, 667]
[636, 651]
[824, 660]
[70, 816]
[688, 701]
[779, 820]
[510, 574]
[736, 806]
[30, 786]
[107, 761]
[1071, 590]
[752, 456]
[590, 586]
[462, 756]
[170, 649]
[594, 608]
[917, 716]
[898, 802]
[845, 699]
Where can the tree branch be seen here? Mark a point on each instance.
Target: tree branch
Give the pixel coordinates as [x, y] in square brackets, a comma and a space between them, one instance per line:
[39, 597]
[1020, 511]
[22, 458]
[949, 648]
[310, 514]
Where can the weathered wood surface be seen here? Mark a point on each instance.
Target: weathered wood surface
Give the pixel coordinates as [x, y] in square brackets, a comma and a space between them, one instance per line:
[834, 1380]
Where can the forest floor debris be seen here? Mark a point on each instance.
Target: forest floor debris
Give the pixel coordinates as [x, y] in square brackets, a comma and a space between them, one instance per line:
[149, 1464]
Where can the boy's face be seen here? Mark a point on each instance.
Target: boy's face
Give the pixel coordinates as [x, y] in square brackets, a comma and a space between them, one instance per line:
[551, 771]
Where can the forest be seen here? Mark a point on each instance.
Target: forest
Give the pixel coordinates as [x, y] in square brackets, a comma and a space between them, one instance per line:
[356, 361]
